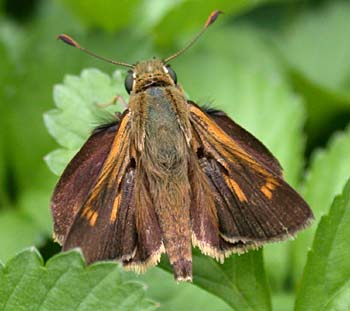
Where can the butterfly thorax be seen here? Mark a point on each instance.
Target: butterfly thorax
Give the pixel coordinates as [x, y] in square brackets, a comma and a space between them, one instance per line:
[158, 106]
[160, 127]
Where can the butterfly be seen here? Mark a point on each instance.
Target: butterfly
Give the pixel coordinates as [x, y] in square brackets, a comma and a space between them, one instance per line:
[167, 175]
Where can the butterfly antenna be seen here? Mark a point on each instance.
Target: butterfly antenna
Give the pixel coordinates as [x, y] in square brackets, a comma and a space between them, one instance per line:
[211, 19]
[68, 40]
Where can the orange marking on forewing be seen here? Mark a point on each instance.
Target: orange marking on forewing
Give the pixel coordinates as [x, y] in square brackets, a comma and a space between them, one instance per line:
[93, 219]
[115, 157]
[214, 129]
[223, 143]
[114, 212]
[236, 189]
[85, 210]
[267, 193]
[90, 215]
[270, 185]
[115, 164]
[223, 147]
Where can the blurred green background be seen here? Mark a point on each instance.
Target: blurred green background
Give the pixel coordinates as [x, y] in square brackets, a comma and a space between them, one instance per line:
[301, 47]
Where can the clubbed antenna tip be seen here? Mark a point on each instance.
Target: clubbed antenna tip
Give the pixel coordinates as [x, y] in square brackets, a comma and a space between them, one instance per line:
[211, 19]
[67, 39]
[70, 41]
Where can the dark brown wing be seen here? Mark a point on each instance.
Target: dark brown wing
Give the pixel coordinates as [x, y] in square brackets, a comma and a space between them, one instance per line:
[94, 203]
[253, 204]
[246, 140]
[97, 186]
[78, 178]
[149, 242]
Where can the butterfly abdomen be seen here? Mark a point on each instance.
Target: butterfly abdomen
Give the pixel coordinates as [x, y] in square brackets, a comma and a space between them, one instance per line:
[162, 162]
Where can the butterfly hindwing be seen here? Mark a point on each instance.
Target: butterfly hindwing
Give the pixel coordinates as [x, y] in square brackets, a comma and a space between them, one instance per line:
[254, 205]
[149, 241]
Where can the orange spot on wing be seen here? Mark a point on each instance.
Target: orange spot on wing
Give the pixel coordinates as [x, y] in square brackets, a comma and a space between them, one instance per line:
[116, 204]
[93, 219]
[270, 185]
[267, 193]
[236, 189]
[90, 215]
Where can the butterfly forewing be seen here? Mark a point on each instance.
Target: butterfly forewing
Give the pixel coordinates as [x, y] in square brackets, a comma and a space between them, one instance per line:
[253, 203]
[95, 187]
[78, 179]
[99, 188]
[246, 140]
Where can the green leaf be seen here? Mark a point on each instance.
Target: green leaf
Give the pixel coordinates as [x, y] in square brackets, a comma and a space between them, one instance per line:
[58, 159]
[65, 283]
[240, 281]
[10, 45]
[17, 230]
[28, 223]
[174, 296]
[175, 21]
[283, 301]
[316, 49]
[330, 165]
[319, 49]
[328, 172]
[36, 204]
[109, 15]
[78, 112]
[326, 280]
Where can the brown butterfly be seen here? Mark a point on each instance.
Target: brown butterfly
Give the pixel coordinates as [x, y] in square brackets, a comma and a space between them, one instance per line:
[168, 175]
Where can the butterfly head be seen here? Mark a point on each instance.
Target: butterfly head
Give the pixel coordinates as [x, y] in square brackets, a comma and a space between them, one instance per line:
[149, 73]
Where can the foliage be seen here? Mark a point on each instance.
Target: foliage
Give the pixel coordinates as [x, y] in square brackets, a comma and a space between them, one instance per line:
[65, 283]
[279, 68]
[325, 284]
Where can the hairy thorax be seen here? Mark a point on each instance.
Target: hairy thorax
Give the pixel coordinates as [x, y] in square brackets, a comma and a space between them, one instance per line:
[160, 130]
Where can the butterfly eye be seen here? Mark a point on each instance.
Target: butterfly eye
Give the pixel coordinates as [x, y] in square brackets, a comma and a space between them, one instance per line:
[129, 81]
[172, 73]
